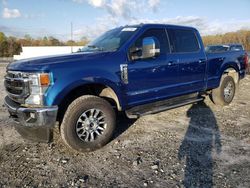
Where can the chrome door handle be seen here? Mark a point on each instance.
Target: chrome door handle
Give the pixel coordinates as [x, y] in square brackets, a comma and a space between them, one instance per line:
[172, 63]
[202, 60]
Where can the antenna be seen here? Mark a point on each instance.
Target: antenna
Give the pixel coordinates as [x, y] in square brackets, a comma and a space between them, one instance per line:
[71, 24]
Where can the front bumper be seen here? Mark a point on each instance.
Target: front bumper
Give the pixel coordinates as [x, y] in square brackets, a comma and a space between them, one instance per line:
[32, 123]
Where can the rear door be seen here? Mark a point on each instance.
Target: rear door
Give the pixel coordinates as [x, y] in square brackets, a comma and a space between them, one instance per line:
[191, 57]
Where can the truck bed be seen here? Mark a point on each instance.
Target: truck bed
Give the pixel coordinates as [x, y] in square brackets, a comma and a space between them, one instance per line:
[217, 62]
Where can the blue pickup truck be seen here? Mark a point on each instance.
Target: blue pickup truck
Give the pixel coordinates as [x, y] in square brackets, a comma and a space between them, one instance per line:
[139, 69]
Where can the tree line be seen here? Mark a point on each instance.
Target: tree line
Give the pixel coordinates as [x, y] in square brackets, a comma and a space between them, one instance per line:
[242, 37]
[10, 46]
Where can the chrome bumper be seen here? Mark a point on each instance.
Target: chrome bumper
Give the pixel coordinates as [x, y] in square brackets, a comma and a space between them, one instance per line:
[32, 123]
[31, 117]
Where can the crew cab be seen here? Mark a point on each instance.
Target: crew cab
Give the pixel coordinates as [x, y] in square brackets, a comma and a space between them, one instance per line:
[139, 69]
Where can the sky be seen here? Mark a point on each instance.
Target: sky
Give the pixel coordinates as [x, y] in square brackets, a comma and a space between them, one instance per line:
[90, 18]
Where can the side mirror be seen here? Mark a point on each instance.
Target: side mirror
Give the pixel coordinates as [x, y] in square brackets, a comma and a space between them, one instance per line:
[149, 49]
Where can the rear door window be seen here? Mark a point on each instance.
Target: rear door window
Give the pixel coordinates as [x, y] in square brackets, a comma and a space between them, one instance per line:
[183, 41]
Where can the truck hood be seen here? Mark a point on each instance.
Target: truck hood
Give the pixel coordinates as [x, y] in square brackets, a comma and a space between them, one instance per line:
[44, 63]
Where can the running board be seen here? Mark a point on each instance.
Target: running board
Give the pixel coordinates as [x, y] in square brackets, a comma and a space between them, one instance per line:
[161, 106]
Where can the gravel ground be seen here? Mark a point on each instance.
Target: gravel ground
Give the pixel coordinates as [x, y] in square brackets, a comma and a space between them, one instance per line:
[199, 145]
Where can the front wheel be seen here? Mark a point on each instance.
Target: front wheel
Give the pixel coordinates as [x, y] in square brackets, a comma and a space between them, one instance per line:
[224, 94]
[88, 123]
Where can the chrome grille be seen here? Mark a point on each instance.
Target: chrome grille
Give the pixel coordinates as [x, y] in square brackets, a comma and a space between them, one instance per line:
[16, 86]
[14, 74]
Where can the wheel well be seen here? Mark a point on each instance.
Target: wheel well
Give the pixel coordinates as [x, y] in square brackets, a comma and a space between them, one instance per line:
[232, 72]
[89, 89]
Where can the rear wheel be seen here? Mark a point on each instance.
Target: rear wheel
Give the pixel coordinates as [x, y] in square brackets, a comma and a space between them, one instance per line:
[88, 123]
[224, 94]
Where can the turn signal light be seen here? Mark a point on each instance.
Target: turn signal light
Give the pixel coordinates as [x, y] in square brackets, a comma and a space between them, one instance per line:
[44, 79]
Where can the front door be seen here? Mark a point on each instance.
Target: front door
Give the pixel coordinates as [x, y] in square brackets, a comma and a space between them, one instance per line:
[155, 78]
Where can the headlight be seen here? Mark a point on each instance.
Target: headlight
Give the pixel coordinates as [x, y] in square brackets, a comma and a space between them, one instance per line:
[39, 83]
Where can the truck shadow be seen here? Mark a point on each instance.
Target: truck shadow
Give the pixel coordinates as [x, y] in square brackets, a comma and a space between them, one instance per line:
[123, 123]
[201, 139]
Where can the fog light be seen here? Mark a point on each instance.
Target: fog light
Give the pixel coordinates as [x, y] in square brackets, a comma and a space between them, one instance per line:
[34, 99]
[32, 115]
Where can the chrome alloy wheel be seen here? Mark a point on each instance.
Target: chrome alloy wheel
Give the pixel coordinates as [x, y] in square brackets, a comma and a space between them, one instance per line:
[229, 91]
[90, 125]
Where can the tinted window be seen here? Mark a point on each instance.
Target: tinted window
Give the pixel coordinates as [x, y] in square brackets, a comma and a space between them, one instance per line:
[236, 48]
[183, 40]
[216, 48]
[159, 35]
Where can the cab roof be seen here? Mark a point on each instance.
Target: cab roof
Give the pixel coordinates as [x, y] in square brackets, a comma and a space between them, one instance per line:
[160, 25]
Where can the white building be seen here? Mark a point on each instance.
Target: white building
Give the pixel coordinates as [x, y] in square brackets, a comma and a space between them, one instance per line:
[36, 51]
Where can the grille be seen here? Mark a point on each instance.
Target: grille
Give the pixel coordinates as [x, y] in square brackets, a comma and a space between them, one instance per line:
[16, 86]
[14, 75]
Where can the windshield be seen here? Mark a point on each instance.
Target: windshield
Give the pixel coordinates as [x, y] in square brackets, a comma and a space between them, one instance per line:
[111, 40]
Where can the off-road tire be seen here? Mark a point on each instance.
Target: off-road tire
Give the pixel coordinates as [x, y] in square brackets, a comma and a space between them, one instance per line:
[72, 115]
[218, 95]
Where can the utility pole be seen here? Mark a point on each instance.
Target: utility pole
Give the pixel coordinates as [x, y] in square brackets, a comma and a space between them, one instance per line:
[71, 37]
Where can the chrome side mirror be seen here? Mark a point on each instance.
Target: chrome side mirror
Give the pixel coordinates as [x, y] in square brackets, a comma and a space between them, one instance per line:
[149, 49]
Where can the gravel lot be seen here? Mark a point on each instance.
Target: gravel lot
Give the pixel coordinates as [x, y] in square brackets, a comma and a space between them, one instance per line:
[202, 145]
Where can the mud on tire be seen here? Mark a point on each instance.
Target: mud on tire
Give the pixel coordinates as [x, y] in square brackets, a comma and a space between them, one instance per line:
[224, 94]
